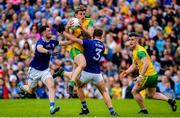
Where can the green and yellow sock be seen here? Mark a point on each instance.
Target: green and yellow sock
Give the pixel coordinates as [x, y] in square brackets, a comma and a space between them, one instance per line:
[72, 83]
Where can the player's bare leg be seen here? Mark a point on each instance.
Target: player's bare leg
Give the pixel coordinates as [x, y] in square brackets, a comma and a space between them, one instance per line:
[63, 73]
[151, 92]
[107, 100]
[51, 87]
[68, 75]
[80, 61]
[138, 97]
[84, 108]
[159, 96]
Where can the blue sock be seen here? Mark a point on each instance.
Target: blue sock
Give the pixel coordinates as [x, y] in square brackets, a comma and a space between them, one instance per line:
[111, 110]
[52, 105]
[84, 105]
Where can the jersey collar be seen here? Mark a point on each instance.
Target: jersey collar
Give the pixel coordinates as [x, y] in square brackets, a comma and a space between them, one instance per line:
[44, 39]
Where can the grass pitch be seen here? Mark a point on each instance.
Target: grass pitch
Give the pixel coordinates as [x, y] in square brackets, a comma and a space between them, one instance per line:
[72, 107]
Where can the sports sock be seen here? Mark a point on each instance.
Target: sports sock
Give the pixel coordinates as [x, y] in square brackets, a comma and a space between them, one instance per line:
[52, 105]
[72, 83]
[169, 101]
[84, 105]
[111, 110]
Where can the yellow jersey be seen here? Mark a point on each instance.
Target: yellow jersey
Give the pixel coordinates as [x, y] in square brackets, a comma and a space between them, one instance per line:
[116, 92]
[138, 53]
[88, 22]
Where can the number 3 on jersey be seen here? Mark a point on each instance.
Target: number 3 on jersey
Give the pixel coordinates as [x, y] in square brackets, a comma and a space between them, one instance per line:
[98, 54]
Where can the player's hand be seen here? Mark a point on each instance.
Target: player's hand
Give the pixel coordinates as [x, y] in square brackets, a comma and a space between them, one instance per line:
[123, 74]
[69, 24]
[52, 53]
[139, 79]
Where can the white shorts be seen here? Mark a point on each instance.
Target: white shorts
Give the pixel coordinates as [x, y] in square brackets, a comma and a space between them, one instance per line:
[90, 77]
[35, 75]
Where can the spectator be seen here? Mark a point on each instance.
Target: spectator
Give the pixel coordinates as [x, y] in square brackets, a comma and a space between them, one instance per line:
[34, 35]
[176, 27]
[41, 93]
[152, 50]
[23, 28]
[165, 87]
[14, 89]
[116, 58]
[1, 87]
[116, 90]
[177, 56]
[166, 61]
[177, 85]
[156, 64]
[154, 27]
[124, 88]
[160, 41]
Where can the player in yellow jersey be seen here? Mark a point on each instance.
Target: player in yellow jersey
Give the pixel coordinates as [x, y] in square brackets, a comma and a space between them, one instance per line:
[147, 78]
[85, 30]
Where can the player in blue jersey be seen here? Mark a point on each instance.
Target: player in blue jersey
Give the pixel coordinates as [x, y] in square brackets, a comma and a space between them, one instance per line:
[93, 51]
[39, 66]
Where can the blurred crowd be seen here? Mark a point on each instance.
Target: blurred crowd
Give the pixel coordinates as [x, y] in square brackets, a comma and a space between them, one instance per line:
[157, 21]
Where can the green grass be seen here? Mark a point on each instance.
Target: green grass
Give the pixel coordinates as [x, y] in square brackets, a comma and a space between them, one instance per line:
[72, 107]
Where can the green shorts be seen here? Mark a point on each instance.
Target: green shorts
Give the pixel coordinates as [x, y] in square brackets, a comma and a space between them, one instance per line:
[74, 52]
[150, 81]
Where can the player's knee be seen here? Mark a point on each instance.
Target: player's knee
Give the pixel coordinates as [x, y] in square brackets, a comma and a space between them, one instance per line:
[133, 91]
[81, 62]
[79, 84]
[102, 89]
[150, 95]
[51, 86]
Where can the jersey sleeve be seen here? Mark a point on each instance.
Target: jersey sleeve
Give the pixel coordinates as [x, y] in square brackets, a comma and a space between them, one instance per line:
[91, 23]
[141, 54]
[39, 42]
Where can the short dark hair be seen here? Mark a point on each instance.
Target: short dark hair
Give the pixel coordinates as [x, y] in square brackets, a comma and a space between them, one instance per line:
[98, 33]
[61, 28]
[80, 8]
[131, 34]
[43, 28]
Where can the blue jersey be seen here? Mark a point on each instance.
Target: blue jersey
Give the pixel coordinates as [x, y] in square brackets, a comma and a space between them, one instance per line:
[93, 51]
[40, 60]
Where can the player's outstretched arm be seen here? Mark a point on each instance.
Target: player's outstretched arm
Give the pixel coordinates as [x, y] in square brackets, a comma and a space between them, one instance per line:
[65, 43]
[72, 37]
[42, 50]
